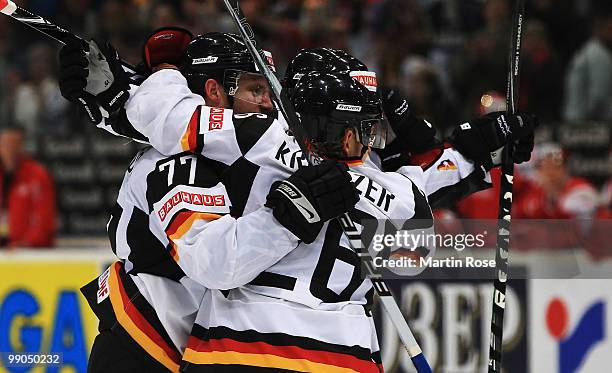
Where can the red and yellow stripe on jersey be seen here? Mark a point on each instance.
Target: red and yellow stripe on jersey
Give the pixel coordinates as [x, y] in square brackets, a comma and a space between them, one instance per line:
[181, 223]
[139, 323]
[136, 324]
[353, 162]
[191, 141]
[247, 351]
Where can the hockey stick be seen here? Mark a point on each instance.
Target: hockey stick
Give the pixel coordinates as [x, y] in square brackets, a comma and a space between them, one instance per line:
[505, 199]
[350, 229]
[42, 25]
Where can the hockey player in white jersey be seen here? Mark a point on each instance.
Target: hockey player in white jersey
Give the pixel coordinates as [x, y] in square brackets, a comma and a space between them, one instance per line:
[145, 302]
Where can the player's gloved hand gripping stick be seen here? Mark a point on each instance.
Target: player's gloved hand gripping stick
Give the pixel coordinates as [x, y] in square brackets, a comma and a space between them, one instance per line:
[352, 232]
[106, 84]
[312, 196]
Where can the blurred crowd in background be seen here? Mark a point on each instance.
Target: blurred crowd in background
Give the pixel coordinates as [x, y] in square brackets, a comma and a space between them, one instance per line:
[449, 56]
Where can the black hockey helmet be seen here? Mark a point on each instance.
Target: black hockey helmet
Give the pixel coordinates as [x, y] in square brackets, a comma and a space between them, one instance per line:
[319, 59]
[329, 103]
[220, 56]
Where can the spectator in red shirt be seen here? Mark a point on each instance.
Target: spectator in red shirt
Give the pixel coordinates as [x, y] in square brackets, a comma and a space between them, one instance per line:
[555, 194]
[567, 202]
[551, 194]
[27, 196]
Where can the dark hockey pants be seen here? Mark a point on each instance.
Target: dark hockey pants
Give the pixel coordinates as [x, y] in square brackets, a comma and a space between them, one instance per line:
[109, 354]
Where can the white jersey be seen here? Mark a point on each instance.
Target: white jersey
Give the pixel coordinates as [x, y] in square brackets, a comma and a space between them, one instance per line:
[322, 277]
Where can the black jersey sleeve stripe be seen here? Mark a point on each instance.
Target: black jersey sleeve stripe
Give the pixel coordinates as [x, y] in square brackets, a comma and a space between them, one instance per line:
[446, 197]
[147, 253]
[275, 280]
[113, 223]
[422, 211]
[120, 123]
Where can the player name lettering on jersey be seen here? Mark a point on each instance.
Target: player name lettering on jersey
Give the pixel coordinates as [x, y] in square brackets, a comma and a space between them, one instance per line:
[293, 159]
[208, 200]
[215, 119]
[373, 192]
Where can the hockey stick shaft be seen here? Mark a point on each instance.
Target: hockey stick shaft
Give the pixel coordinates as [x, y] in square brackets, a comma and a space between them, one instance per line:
[350, 229]
[505, 199]
[42, 25]
[37, 22]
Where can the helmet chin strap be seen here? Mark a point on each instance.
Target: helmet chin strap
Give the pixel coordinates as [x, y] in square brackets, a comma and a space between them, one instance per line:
[230, 101]
[364, 151]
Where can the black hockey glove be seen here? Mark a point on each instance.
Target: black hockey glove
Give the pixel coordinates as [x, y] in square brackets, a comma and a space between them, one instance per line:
[73, 72]
[310, 197]
[482, 140]
[93, 77]
[107, 80]
[412, 135]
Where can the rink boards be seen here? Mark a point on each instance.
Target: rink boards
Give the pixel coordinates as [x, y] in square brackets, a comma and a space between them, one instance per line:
[552, 325]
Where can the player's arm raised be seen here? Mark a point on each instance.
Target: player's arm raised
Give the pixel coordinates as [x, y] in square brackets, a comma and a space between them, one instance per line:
[162, 111]
[123, 109]
[458, 166]
[94, 79]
